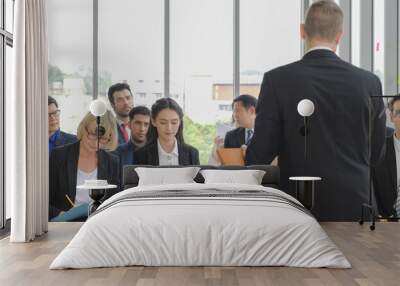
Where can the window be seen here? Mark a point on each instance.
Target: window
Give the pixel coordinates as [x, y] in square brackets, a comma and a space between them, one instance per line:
[266, 41]
[356, 32]
[131, 47]
[6, 60]
[8, 85]
[202, 47]
[9, 11]
[70, 26]
[379, 40]
[3, 206]
[201, 58]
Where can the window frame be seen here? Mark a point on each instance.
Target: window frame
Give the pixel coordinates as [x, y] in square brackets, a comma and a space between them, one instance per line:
[6, 39]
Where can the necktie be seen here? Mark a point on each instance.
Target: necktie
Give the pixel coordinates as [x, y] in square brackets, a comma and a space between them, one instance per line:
[249, 136]
[124, 132]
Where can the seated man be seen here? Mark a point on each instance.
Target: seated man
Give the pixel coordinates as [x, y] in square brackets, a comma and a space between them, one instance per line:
[139, 121]
[385, 176]
[244, 114]
[56, 136]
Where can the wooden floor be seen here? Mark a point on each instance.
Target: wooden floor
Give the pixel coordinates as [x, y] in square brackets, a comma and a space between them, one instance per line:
[375, 256]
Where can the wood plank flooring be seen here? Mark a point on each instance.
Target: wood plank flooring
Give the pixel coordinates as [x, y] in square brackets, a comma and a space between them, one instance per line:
[375, 257]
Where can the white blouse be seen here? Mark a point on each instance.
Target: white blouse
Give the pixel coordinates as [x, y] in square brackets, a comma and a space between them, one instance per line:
[168, 159]
[82, 195]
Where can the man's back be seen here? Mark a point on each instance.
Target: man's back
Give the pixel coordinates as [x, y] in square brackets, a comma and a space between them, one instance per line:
[338, 139]
[235, 138]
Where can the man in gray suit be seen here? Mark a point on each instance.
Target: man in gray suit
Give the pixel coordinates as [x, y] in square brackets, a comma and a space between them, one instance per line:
[338, 145]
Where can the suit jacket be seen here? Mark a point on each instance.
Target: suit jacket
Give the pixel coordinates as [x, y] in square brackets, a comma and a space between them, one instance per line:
[384, 177]
[125, 153]
[63, 175]
[65, 138]
[235, 138]
[389, 131]
[148, 155]
[338, 141]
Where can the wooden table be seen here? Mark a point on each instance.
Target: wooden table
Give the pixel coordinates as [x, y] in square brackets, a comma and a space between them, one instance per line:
[374, 255]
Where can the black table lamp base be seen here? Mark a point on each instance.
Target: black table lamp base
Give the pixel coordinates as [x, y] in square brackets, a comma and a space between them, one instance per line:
[96, 195]
[305, 193]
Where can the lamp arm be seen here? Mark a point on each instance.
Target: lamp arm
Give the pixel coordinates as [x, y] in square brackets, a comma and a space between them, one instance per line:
[98, 133]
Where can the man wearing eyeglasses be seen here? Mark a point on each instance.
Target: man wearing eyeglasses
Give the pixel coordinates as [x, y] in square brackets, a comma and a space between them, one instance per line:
[56, 136]
[386, 176]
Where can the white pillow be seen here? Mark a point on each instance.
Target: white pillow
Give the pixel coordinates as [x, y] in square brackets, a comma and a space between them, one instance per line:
[248, 177]
[166, 176]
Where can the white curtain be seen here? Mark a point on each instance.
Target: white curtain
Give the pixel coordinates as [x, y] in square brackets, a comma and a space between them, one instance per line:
[26, 123]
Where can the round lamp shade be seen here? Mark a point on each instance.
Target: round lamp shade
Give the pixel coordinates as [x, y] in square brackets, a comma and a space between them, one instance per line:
[305, 107]
[98, 107]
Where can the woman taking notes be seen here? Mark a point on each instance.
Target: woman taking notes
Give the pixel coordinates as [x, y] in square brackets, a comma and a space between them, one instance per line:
[72, 164]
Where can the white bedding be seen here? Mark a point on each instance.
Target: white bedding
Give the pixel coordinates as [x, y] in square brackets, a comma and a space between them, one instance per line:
[200, 231]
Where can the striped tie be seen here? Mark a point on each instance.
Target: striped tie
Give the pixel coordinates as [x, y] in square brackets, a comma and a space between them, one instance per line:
[249, 136]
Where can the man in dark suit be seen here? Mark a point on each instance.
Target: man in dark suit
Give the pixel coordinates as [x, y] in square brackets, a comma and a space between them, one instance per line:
[139, 122]
[56, 136]
[338, 145]
[386, 175]
[244, 114]
[121, 100]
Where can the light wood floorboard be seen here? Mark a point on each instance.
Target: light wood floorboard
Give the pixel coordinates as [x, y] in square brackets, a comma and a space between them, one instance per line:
[374, 255]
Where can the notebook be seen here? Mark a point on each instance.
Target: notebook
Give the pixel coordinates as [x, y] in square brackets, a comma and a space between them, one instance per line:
[231, 156]
[78, 212]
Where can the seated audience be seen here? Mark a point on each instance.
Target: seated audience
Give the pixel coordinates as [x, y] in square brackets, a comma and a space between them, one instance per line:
[121, 100]
[139, 121]
[385, 176]
[72, 164]
[56, 136]
[166, 145]
[244, 114]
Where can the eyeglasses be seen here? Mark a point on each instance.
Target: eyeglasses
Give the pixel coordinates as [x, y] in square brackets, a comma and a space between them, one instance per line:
[55, 113]
[93, 136]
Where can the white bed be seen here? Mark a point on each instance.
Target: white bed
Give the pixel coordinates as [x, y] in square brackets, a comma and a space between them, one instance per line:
[264, 229]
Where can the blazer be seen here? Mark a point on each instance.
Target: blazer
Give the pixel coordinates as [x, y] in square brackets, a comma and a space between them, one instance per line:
[384, 178]
[125, 153]
[389, 131]
[338, 141]
[65, 138]
[63, 175]
[148, 155]
[235, 138]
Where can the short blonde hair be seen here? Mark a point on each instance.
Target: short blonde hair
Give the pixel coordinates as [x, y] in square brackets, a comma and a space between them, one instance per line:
[107, 121]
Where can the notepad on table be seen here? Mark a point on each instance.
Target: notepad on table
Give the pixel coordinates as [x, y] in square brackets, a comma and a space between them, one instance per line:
[231, 156]
[73, 214]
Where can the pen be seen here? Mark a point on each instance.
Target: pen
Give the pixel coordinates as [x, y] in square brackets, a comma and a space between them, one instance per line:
[70, 201]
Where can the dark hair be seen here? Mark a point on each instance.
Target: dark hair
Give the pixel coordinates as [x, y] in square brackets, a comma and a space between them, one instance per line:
[51, 100]
[117, 87]
[246, 100]
[143, 110]
[156, 108]
[392, 102]
[324, 19]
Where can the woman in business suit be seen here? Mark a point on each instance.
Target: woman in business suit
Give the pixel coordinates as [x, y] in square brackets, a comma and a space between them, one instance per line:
[165, 138]
[72, 164]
